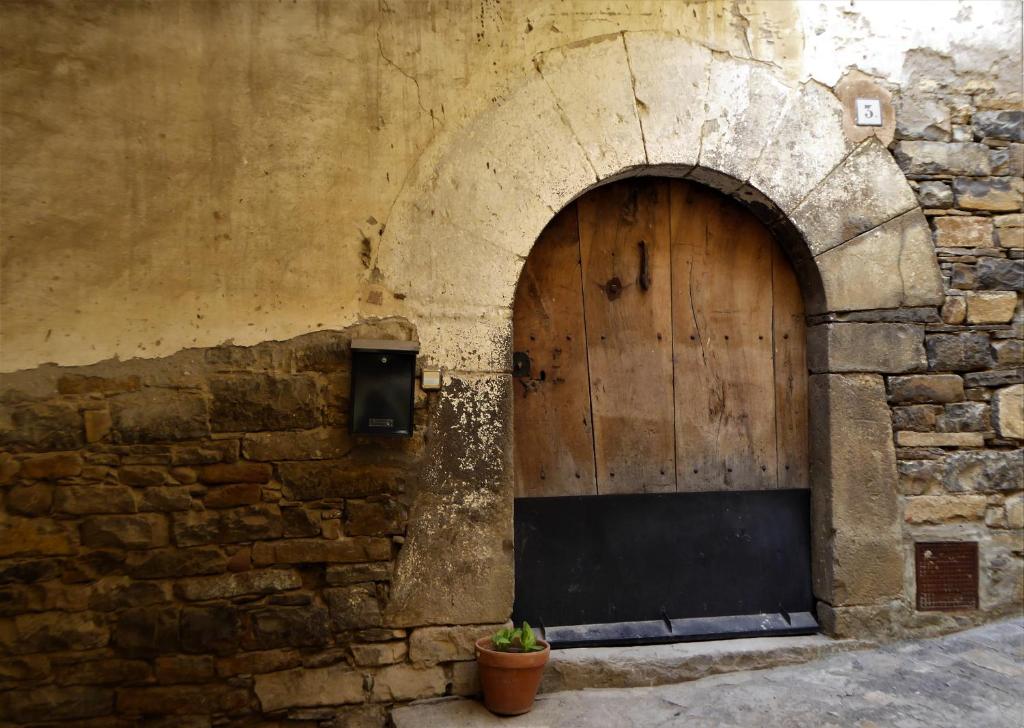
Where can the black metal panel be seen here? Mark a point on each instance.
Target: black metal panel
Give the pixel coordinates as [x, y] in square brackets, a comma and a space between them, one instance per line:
[587, 560]
[383, 386]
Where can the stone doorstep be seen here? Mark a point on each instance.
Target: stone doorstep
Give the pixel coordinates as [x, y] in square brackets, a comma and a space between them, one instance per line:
[650, 665]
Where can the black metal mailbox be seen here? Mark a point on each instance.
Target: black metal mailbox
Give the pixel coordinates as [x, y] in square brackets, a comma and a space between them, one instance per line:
[383, 386]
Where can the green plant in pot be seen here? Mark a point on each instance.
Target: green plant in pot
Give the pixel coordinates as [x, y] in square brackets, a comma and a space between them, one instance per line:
[511, 663]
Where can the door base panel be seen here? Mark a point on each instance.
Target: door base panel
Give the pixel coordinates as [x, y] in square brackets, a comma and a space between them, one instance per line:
[656, 632]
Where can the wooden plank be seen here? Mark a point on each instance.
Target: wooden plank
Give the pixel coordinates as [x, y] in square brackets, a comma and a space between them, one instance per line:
[554, 448]
[790, 344]
[724, 378]
[629, 334]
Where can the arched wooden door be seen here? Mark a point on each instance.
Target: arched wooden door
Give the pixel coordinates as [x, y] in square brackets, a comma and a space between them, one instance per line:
[660, 422]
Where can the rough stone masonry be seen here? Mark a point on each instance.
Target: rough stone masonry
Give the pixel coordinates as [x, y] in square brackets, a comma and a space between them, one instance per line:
[196, 540]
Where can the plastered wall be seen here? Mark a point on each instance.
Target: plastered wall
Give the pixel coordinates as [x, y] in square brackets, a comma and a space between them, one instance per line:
[181, 174]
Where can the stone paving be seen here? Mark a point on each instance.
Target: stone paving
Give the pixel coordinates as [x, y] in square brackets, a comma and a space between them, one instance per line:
[973, 679]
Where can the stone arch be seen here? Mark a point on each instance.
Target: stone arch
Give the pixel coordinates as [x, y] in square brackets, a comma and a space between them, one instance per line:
[588, 113]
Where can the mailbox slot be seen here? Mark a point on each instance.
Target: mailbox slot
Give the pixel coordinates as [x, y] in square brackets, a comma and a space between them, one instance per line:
[383, 386]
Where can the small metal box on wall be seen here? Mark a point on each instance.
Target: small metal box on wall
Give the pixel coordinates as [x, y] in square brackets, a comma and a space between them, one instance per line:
[383, 386]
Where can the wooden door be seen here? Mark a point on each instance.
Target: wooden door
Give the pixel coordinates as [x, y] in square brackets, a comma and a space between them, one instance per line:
[659, 332]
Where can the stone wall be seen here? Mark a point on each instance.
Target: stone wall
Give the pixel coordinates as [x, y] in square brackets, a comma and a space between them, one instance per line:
[200, 537]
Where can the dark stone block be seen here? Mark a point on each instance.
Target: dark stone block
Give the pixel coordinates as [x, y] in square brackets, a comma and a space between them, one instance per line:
[240, 472]
[207, 630]
[196, 528]
[1007, 125]
[1000, 274]
[999, 378]
[965, 417]
[45, 426]
[919, 418]
[147, 631]
[340, 479]
[167, 563]
[299, 522]
[28, 572]
[249, 403]
[159, 415]
[984, 471]
[958, 352]
[56, 703]
[287, 626]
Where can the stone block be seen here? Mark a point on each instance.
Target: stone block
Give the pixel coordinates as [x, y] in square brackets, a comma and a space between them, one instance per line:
[206, 630]
[315, 551]
[165, 499]
[240, 472]
[857, 347]
[92, 499]
[52, 467]
[30, 500]
[248, 523]
[1010, 230]
[890, 266]
[431, 645]
[995, 378]
[141, 531]
[1000, 274]
[34, 537]
[55, 703]
[928, 158]
[918, 477]
[863, 192]
[252, 402]
[465, 679]
[935, 195]
[114, 593]
[85, 384]
[98, 424]
[958, 352]
[940, 439]
[991, 307]
[1007, 125]
[45, 426]
[170, 563]
[229, 496]
[146, 631]
[965, 417]
[9, 467]
[918, 417]
[225, 586]
[318, 444]
[667, 72]
[406, 682]
[741, 111]
[112, 671]
[254, 663]
[594, 89]
[376, 654]
[990, 194]
[354, 607]
[283, 626]
[358, 573]
[1008, 160]
[954, 310]
[944, 508]
[854, 484]
[1014, 507]
[177, 669]
[376, 517]
[55, 631]
[922, 117]
[1008, 407]
[984, 471]
[340, 479]
[140, 476]
[1008, 352]
[788, 169]
[926, 388]
[159, 415]
[954, 231]
[299, 522]
[334, 685]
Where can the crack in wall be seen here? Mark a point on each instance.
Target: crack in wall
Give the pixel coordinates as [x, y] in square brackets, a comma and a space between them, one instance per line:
[565, 119]
[636, 100]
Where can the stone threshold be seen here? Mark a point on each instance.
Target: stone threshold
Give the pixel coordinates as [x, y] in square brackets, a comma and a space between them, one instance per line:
[650, 665]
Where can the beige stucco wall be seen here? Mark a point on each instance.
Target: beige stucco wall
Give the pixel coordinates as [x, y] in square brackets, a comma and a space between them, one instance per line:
[180, 174]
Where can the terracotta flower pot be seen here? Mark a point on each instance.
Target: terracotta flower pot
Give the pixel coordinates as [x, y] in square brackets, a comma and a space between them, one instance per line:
[510, 679]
